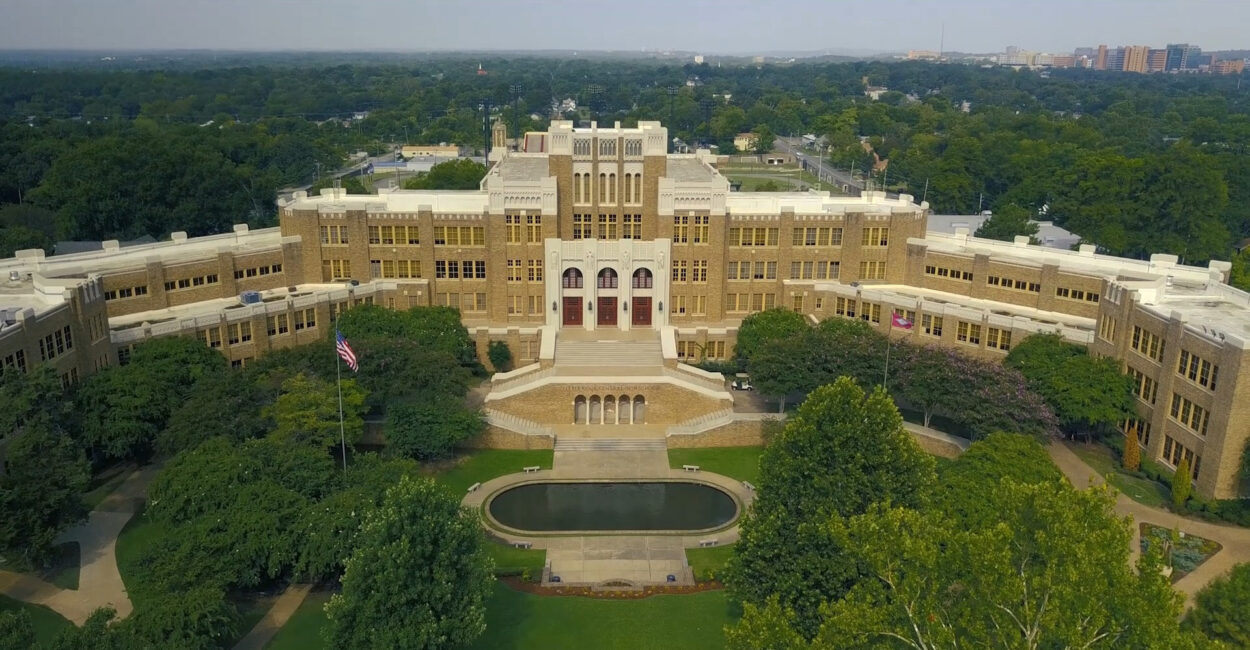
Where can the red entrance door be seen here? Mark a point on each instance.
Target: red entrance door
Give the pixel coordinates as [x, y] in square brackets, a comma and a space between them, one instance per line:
[642, 311]
[607, 311]
[573, 311]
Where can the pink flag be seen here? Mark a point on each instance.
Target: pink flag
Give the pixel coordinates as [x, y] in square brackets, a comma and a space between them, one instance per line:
[897, 320]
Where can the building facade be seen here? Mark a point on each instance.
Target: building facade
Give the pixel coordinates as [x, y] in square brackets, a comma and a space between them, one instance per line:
[601, 234]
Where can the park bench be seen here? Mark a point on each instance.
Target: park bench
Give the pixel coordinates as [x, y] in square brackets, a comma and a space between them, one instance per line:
[690, 468]
[521, 544]
[707, 542]
[747, 485]
[531, 468]
[474, 487]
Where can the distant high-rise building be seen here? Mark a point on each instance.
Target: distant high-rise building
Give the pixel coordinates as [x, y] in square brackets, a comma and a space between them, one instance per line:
[1229, 66]
[1087, 52]
[1156, 61]
[1182, 56]
[1100, 58]
[1115, 59]
[1136, 58]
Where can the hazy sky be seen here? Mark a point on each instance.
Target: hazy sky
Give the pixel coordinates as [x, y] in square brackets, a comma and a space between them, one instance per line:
[710, 26]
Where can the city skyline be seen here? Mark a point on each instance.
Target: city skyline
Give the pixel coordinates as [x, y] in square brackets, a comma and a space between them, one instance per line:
[734, 27]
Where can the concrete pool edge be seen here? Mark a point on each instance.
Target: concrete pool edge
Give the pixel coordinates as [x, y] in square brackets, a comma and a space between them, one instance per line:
[499, 527]
[722, 536]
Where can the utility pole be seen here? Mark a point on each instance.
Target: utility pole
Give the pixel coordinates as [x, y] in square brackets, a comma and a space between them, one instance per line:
[926, 191]
[980, 200]
[516, 115]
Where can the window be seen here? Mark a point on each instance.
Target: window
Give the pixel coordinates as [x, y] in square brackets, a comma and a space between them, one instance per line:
[1174, 452]
[1142, 427]
[1147, 344]
[603, 188]
[969, 333]
[816, 237]
[473, 302]
[700, 235]
[1076, 294]
[459, 236]
[1106, 328]
[753, 236]
[607, 147]
[678, 305]
[536, 305]
[998, 338]
[681, 229]
[278, 324]
[844, 307]
[680, 268]
[643, 279]
[633, 147]
[375, 236]
[305, 318]
[1197, 370]
[334, 235]
[612, 186]
[514, 270]
[479, 270]
[535, 270]
[239, 332]
[870, 312]
[514, 305]
[872, 270]
[637, 188]
[581, 226]
[607, 226]
[945, 272]
[581, 147]
[875, 236]
[1146, 388]
[700, 305]
[608, 279]
[737, 302]
[1193, 417]
[17, 360]
[336, 269]
[577, 189]
[631, 226]
[1013, 284]
[512, 223]
[698, 272]
[572, 279]
[533, 229]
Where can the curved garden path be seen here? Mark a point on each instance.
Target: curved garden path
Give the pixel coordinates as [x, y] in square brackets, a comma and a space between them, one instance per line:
[1235, 540]
[99, 581]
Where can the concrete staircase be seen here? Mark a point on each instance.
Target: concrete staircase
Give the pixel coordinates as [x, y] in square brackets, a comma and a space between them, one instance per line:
[611, 444]
[608, 354]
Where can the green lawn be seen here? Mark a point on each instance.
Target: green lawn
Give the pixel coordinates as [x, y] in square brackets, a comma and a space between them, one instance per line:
[303, 630]
[511, 560]
[708, 562]
[1141, 490]
[47, 623]
[140, 533]
[482, 465]
[742, 463]
[517, 621]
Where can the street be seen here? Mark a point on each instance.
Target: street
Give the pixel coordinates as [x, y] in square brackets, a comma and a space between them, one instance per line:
[826, 172]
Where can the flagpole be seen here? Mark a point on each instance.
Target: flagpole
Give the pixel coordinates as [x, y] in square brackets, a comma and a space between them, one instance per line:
[338, 381]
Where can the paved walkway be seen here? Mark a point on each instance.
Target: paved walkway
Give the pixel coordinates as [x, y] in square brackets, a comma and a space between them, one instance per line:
[1235, 540]
[99, 581]
[275, 618]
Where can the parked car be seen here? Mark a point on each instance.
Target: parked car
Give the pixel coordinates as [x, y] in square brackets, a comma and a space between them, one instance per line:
[742, 384]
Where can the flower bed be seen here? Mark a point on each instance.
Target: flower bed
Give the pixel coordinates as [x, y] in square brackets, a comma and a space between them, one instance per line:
[1188, 552]
[621, 594]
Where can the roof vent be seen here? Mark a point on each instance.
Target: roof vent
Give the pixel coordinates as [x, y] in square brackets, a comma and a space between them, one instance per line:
[14, 276]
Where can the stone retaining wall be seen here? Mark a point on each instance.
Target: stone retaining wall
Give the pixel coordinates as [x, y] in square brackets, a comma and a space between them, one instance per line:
[498, 438]
[739, 433]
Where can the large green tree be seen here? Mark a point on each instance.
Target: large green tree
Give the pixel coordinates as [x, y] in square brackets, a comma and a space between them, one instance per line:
[1008, 222]
[1085, 393]
[768, 325]
[840, 452]
[40, 490]
[1220, 608]
[458, 174]
[428, 429]
[307, 412]
[419, 577]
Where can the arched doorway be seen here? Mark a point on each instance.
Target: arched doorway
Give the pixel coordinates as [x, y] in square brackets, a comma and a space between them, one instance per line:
[625, 410]
[607, 305]
[580, 412]
[596, 410]
[642, 283]
[572, 279]
[609, 409]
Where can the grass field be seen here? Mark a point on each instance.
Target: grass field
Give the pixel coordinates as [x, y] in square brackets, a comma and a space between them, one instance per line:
[513, 560]
[46, 623]
[742, 463]
[303, 630]
[708, 563]
[140, 533]
[483, 465]
[1141, 490]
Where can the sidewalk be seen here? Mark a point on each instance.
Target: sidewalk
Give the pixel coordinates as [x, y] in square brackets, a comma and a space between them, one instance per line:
[275, 618]
[1235, 540]
[99, 581]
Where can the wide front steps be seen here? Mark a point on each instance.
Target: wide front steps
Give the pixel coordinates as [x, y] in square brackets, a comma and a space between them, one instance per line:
[611, 444]
[608, 354]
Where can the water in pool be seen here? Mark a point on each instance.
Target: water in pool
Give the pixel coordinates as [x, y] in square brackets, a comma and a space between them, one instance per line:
[613, 506]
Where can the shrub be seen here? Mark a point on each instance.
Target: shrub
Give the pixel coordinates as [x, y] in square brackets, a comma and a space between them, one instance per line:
[500, 356]
[1181, 484]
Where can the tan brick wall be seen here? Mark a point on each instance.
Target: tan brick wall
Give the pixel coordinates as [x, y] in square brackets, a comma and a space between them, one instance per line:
[496, 438]
[553, 404]
[740, 433]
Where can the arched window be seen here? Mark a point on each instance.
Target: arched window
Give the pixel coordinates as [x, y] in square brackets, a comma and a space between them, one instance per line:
[643, 279]
[577, 188]
[637, 188]
[611, 188]
[625, 191]
[603, 188]
[572, 279]
[608, 279]
[585, 188]
[640, 409]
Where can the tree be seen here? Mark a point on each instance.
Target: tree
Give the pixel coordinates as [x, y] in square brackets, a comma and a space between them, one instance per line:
[764, 138]
[1182, 484]
[352, 184]
[1054, 571]
[1085, 393]
[968, 486]
[764, 326]
[1132, 450]
[40, 490]
[16, 238]
[225, 404]
[1007, 222]
[419, 577]
[427, 429]
[500, 356]
[1219, 611]
[307, 412]
[842, 451]
[458, 174]
[16, 630]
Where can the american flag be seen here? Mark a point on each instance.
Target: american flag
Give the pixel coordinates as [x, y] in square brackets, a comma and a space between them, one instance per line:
[345, 352]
